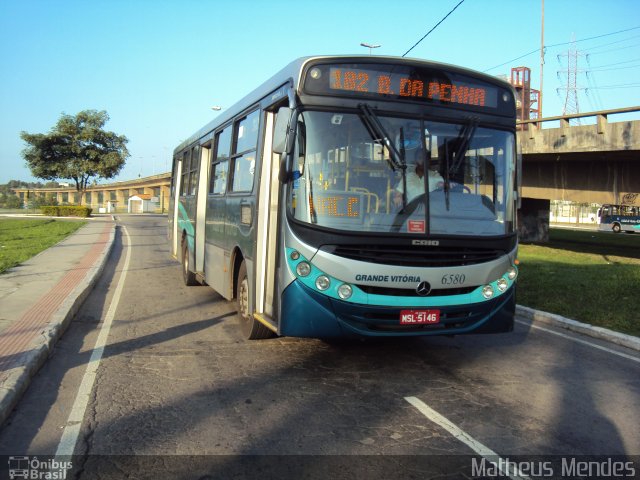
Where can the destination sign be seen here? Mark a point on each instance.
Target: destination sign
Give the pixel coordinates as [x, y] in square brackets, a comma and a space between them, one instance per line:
[335, 205]
[406, 82]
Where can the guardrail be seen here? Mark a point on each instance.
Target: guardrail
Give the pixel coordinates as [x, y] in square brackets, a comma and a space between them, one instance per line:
[534, 124]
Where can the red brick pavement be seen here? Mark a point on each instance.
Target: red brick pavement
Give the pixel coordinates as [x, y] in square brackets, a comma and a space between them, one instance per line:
[17, 339]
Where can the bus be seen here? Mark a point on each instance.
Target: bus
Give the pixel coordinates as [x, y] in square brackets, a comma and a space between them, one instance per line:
[355, 196]
[619, 218]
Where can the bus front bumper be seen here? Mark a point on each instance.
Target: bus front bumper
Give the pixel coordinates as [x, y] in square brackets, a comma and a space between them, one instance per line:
[307, 313]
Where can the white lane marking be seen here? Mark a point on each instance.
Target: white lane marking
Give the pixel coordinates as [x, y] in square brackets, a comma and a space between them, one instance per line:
[72, 428]
[467, 439]
[578, 340]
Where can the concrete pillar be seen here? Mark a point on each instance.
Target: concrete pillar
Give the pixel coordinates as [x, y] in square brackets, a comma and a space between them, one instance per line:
[121, 198]
[601, 124]
[533, 220]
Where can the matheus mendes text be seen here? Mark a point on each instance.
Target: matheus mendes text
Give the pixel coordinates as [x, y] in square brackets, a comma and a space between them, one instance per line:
[566, 467]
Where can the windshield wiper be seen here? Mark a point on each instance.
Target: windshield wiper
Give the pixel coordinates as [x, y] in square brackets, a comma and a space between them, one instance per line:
[463, 140]
[379, 133]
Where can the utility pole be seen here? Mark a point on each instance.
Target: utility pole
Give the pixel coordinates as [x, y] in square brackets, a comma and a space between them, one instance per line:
[571, 104]
[541, 62]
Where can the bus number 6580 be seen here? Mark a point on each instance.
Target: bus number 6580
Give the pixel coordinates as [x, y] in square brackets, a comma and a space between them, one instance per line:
[453, 279]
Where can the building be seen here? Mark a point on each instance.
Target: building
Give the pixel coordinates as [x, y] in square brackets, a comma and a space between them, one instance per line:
[152, 195]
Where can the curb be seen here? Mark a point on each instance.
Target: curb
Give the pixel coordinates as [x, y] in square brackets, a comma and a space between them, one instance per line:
[41, 347]
[621, 339]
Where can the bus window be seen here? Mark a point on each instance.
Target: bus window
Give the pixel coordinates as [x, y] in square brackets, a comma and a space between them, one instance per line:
[184, 185]
[244, 156]
[220, 160]
[195, 164]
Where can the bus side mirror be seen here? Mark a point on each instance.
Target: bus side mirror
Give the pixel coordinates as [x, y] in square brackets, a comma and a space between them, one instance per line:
[282, 132]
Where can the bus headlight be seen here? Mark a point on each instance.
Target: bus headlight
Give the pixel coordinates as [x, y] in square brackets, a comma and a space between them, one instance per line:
[345, 291]
[502, 284]
[487, 291]
[303, 269]
[295, 255]
[512, 273]
[322, 282]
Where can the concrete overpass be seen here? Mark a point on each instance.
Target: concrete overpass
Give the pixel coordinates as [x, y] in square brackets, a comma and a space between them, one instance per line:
[112, 197]
[595, 163]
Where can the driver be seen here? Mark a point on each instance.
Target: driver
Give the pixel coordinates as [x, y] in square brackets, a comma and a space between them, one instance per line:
[415, 182]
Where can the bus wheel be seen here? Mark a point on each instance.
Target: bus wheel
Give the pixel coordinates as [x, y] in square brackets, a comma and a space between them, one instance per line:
[251, 328]
[187, 275]
[616, 228]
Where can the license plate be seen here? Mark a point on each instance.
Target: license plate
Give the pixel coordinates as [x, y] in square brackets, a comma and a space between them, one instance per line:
[419, 317]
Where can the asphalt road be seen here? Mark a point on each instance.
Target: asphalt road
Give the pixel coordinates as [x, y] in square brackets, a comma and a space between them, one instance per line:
[177, 393]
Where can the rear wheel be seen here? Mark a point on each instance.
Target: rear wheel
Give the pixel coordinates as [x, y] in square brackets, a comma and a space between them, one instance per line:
[187, 275]
[251, 328]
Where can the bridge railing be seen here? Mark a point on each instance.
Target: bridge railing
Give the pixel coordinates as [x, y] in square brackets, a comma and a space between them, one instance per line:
[533, 125]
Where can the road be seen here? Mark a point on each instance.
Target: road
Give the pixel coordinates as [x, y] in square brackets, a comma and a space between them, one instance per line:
[177, 393]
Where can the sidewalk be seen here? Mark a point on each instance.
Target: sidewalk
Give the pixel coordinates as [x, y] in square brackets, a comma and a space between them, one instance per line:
[39, 298]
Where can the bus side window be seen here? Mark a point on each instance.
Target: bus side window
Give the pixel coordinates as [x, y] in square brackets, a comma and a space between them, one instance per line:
[244, 152]
[184, 184]
[195, 164]
[220, 162]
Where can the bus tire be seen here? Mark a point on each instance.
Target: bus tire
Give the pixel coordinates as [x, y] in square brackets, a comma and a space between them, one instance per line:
[251, 328]
[188, 276]
[616, 228]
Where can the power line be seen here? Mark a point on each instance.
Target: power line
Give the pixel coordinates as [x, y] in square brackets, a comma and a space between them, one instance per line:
[559, 45]
[617, 63]
[614, 69]
[436, 26]
[611, 43]
[624, 85]
[592, 93]
[593, 38]
[514, 59]
[615, 49]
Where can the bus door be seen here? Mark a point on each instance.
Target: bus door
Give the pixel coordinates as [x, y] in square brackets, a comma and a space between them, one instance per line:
[201, 206]
[240, 231]
[216, 252]
[267, 224]
[173, 204]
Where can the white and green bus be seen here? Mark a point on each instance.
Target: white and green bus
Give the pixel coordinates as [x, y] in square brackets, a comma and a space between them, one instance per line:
[355, 196]
[619, 218]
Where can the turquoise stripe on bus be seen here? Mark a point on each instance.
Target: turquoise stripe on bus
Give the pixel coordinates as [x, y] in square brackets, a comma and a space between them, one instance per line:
[363, 298]
[184, 223]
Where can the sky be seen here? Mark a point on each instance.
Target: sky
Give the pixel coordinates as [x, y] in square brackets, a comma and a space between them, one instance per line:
[158, 66]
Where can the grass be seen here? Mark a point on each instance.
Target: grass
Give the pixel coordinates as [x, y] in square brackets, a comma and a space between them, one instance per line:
[21, 239]
[589, 276]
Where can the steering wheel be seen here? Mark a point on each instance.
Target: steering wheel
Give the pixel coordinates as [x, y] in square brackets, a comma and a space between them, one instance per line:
[404, 213]
[454, 187]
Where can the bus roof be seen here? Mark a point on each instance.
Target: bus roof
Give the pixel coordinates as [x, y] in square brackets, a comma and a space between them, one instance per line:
[292, 73]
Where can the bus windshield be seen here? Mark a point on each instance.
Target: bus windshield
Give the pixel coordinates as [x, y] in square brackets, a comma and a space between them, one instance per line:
[360, 172]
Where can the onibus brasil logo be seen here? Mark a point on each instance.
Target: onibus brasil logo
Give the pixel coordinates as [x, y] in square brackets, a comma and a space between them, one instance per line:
[33, 468]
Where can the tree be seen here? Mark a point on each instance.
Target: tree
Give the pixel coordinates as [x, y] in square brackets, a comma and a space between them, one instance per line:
[77, 148]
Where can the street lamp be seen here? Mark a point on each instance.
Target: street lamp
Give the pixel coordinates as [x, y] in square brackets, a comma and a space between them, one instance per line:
[370, 46]
[216, 108]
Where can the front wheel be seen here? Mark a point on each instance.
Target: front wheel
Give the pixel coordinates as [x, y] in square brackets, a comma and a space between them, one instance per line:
[616, 228]
[251, 328]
